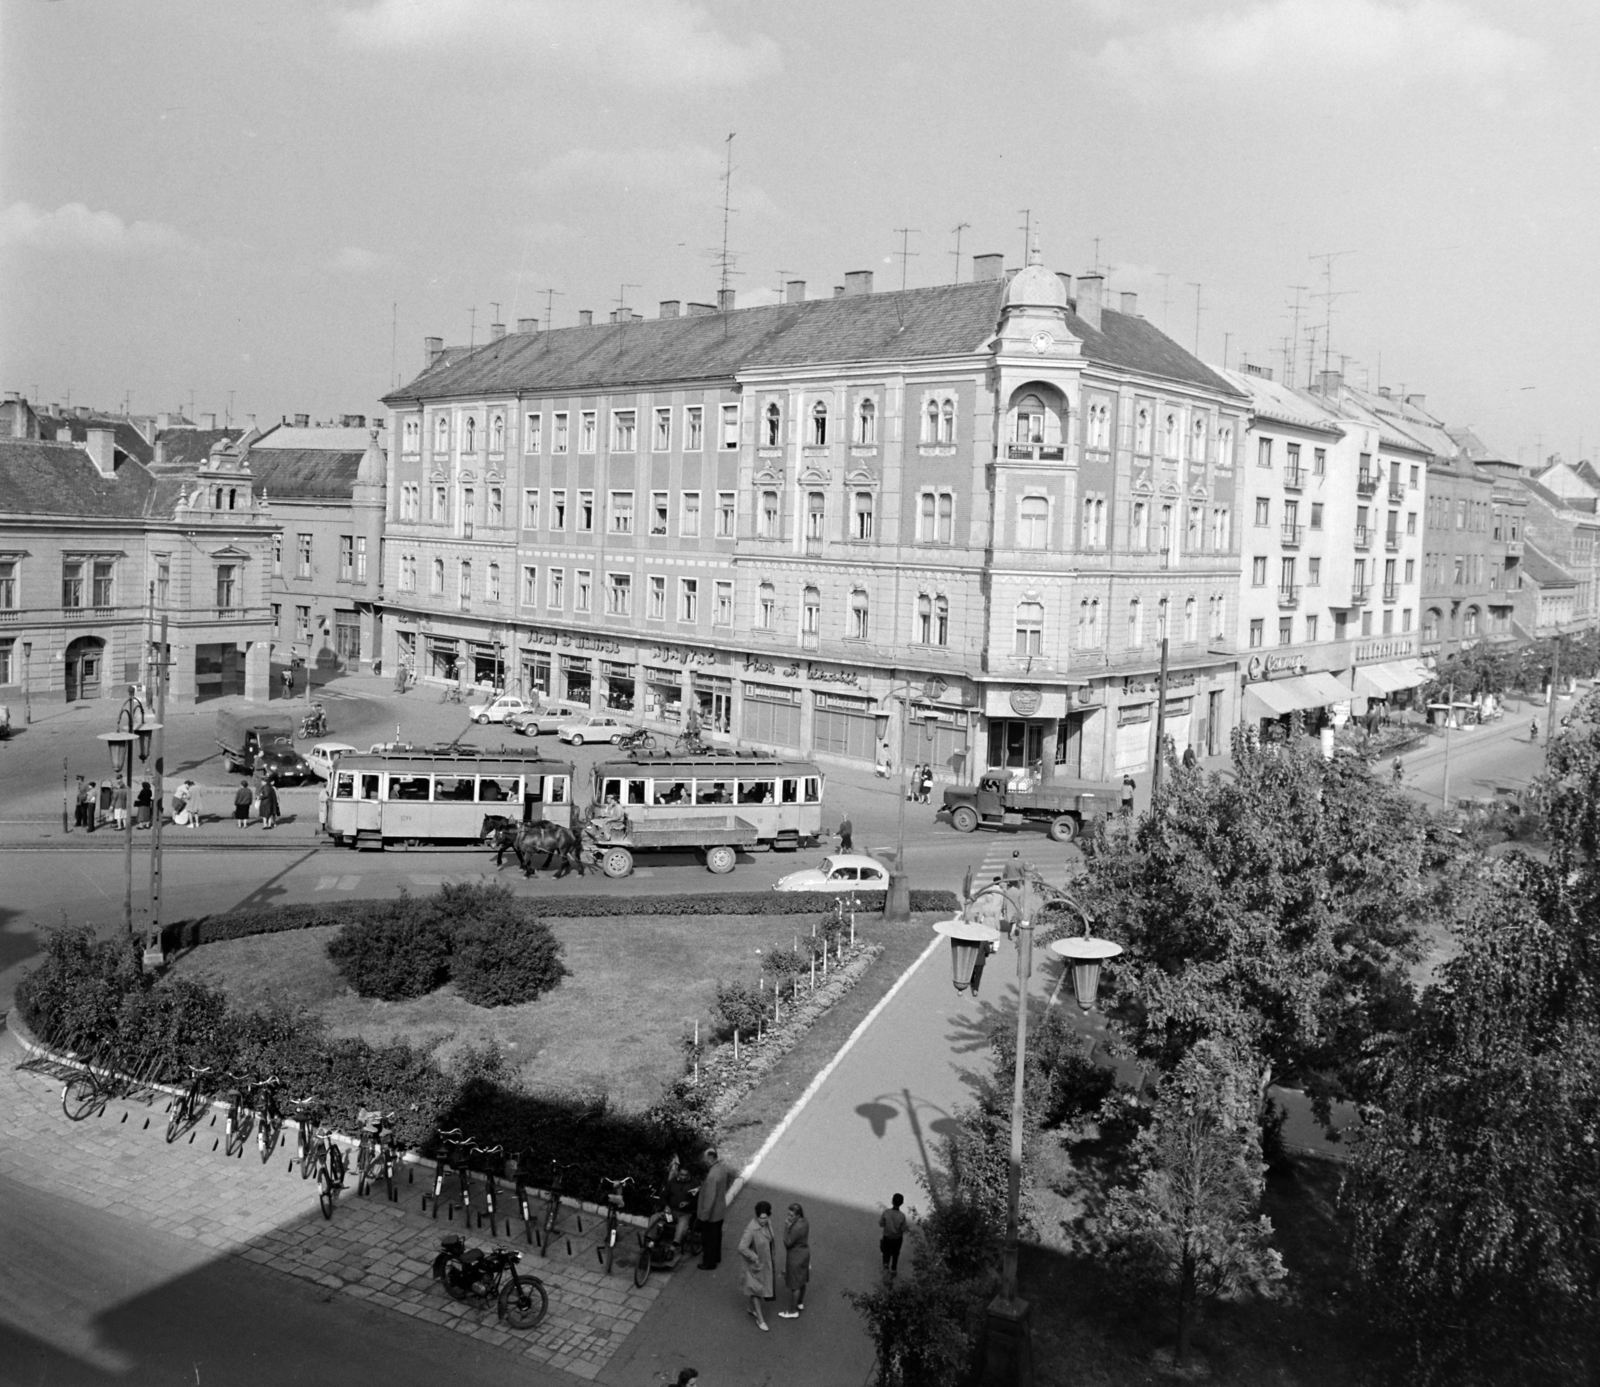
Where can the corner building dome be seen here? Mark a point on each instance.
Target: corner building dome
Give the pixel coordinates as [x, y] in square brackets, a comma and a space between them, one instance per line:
[1036, 287]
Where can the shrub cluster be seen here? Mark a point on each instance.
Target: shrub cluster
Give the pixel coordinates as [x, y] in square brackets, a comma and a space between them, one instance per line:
[478, 935]
[238, 924]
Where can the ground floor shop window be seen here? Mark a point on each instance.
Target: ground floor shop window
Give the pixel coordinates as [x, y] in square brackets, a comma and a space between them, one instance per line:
[663, 695]
[1133, 738]
[535, 675]
[619, 688]
[443, 659]
[1015, 744]
[577, 678]
[771, 715]
[714, 699]
[845, 726]
[347, 638]
[488, 668]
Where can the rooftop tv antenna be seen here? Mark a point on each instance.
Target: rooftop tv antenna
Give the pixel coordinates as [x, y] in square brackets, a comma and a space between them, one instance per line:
[724, 260]
[960, 227]
[472, 328]
[394, 352]
[1328, 296]
[1196, 289]
[550, 297]
[1290, 362]
[1165, 277]
[1027, 232]
[622, 298]
[906, 254]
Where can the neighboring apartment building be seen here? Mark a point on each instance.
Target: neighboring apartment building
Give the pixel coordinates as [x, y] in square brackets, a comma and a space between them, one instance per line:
[1329, 587]
[986, 502]
[325, 485]
[1563, 519]
[1551, 608]
[95, 547]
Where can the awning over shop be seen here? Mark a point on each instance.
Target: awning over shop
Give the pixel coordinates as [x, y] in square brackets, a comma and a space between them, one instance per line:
[1379, 681]
[1276, 698]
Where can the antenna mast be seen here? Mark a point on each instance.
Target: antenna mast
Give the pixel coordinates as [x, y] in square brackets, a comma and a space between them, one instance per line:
[1027, 233]
[905, 233]
[1291, 361]
[1328, 296]
[960, 227]
[723, 264]
[1196, 289]
[394, 351]
[550, 297]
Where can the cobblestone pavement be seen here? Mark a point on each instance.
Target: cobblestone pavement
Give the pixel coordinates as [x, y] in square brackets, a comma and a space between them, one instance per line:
[371, 1250]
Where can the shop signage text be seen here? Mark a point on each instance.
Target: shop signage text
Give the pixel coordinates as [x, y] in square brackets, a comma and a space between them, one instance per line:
[1385, 650]
[817, 674]
[1174, 681]
[1265, 666]
[671, 654]
[572, 641]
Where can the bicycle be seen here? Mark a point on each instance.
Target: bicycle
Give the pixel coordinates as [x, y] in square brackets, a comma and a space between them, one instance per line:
[89, 1088]
[188, 1106]
[659, 1245]
[328, 1160]
[237, 1126]
[452, 694]
[490, 1160]
[268, 1117]
[452, 1145]
[375, 1157]
[552, 1213]
[606, 1252]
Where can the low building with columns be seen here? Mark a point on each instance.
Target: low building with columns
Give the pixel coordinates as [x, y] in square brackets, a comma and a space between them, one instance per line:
[980, 506]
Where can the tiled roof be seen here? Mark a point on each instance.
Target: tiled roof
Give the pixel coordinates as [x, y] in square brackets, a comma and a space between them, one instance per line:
[311, 474]
[908, 325]
[313, 436]
[1543, 570]
[1283, 404]
[185, 449]
[128, 438]
[57, 479]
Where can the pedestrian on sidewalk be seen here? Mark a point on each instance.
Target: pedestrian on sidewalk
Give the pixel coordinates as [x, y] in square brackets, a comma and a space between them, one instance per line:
[688, 1378]
[847, 835]
[91, 808]
[1533, 732]
[241, 804]
[796, 1261]
[1190, 760]
[288, 682]
[269, 805]
[712, 1209]
[893, 1223]
[119, 805]
[142, 804]
[1399, 772]
[80, 811]
[1127, 796]
[184, 811]
[755, 1250]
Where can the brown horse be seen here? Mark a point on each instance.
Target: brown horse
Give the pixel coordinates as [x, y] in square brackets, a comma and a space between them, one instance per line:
[528, 841]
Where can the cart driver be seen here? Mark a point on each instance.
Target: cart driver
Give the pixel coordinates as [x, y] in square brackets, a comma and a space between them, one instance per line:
[606, 820]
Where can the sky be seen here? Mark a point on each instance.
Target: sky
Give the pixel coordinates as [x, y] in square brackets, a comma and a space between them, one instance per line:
[263, 208]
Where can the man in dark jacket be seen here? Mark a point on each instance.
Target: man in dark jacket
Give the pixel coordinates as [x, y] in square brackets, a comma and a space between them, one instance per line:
[712, 1209]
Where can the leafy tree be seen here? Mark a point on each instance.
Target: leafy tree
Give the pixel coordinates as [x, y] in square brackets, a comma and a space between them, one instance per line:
[1191, 1221]
[1277, 909]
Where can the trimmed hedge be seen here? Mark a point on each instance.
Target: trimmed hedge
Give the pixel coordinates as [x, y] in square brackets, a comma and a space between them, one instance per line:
[239, 924]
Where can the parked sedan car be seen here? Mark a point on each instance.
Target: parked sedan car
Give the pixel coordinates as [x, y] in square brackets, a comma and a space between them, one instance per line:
[845, 871]
[499, 709]
[322, 756]
[283, 765]
[596, 727]
[531, 722]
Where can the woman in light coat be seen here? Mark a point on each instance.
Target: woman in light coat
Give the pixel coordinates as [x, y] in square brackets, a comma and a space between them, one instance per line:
[755, 1251]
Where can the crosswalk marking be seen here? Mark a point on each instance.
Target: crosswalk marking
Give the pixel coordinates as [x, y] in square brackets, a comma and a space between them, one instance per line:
[1045, 856]
[339, 883]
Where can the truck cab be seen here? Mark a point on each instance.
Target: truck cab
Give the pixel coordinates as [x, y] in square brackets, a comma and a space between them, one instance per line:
[1001, 800]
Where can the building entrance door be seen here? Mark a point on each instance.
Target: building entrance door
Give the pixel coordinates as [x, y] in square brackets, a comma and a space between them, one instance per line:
[84, 659]
[1015, 744]
[1211, 733]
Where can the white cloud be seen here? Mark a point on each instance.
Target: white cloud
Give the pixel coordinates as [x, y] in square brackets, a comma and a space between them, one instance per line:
[690, 174]
[74, 227]
[355, 260]
[1293, 42]
[640, 43]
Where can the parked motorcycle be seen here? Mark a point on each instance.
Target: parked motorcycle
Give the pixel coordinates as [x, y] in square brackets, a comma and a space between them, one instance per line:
[470, 1273]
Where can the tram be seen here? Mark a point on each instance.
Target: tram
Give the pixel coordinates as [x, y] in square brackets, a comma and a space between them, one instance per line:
[415, 797]
[710, 804]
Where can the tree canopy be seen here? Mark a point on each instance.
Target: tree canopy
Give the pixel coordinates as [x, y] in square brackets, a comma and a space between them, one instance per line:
[1277, 909]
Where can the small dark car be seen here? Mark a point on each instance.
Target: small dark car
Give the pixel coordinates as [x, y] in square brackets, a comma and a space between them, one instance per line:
[283, 765]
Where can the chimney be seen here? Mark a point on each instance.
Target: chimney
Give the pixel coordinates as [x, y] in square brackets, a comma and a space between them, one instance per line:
[19, 418]
[208, 421]
[1383, 392]
[612, 316]
[794, 291]
[586, 317]
[496, 331]
[163, 421]
[101, 445]
[302, 421]
[669, 308]
[696, 310]
[1265, 372]
[83, 411]
[527, 325]
[432, 348]
[987, 267]
[1089, 286]
[1066, 283]
[250, 422]
[838, 291]
[1417, 401]
[1329, 382]
[724, 300]
[857, 282]
[1130, 304]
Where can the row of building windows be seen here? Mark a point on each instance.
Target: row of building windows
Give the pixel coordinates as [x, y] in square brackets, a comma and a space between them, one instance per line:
[352, 557]
[1289, 569]
[1311, 627]
[90, 581]
[1091, 635]
[491, 436]
[1463, 515]
[1459, 570]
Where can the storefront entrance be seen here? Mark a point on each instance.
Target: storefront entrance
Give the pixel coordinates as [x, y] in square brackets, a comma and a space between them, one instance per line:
[713, 696]
[84, 660]
[1015, 744]
[443, 659]
[577, 680]
[619, 688]
[535, 675]
[663, 695]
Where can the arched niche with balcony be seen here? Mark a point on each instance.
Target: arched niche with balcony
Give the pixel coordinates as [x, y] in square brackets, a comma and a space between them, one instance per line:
[1036, 426]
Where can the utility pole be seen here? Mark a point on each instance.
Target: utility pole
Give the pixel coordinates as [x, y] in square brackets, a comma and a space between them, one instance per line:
[960, 227]
[905, 233]
[1555, 675]
[1161, 722]
[158, 667]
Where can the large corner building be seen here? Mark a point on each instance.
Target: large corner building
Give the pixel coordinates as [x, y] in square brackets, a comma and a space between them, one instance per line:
[981, 504]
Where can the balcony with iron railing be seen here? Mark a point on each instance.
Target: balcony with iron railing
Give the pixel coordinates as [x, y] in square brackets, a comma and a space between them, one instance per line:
[1360, 594]
[1366, 483]
[1397, 494]
[1035, 452]
[1391, 539]
[1293, 536]
[1391, 592]
[1363, 537]
[1289, 594]
[1294, 479]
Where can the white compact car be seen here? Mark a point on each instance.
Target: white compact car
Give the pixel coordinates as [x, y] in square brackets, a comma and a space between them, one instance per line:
[846, 871]
[499, 709]
[596, 727]
[322, 756]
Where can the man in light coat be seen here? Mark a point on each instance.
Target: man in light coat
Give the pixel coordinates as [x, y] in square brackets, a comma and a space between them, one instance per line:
[712, 1209]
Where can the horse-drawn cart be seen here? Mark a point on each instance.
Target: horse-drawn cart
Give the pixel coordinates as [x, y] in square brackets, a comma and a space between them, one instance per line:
[716, 837]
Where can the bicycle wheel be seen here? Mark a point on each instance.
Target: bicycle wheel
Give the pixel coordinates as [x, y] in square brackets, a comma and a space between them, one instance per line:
[267, 1128]
[364, 1165]
[336, 1164]
[81, 1097]
[305, 1156]
[523, 1302]
[641, 1268]
[178, 1119]
[325, 1194]
[551, 1213]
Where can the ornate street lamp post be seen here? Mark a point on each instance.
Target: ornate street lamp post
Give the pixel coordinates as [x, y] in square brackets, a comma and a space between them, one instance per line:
[133, 734]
